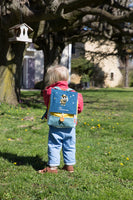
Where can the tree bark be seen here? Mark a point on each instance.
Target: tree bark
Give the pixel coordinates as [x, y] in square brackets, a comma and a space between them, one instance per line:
[52, 55]
[126, 84]
[10, 69]
[7, 85]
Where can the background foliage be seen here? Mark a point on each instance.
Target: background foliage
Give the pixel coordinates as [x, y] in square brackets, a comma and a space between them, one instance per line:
[88, 71]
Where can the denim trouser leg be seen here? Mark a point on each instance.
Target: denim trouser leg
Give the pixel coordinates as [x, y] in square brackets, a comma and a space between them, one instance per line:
[54, 148]
[68, 148]
[61, 138]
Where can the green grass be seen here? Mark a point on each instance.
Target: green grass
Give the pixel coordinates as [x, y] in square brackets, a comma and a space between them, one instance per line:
[104, 150]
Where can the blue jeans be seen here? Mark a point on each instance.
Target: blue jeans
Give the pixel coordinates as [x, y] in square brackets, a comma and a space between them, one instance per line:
[61, 138]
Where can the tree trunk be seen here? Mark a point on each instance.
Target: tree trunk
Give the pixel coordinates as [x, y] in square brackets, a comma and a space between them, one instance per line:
[10, 65]
[52, 46]
[52, 51]
[126, 84]
[7, 85]
[18, 50]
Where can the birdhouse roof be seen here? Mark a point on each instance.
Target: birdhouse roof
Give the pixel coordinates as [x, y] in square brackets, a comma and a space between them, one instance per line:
[19, 25]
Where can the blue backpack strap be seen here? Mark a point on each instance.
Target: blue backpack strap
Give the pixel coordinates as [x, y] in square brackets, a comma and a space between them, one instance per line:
[44, 115]
[58, 88]
[70, 89]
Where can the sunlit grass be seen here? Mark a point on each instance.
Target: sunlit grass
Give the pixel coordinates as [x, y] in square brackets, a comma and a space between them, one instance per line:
[104, 146]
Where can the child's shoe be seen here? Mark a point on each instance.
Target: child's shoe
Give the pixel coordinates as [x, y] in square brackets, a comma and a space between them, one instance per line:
[68, 168]
[48, 170]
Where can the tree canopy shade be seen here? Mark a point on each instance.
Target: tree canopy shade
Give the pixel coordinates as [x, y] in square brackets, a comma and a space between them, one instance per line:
[110, 17]
[57, 23]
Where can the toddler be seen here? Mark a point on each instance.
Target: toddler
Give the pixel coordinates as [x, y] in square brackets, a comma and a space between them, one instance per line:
[60, 138]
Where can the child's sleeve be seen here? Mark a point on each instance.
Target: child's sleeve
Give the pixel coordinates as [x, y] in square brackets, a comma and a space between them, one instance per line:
[80, 102]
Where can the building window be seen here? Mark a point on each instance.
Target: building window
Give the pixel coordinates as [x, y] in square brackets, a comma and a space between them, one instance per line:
[112, 76]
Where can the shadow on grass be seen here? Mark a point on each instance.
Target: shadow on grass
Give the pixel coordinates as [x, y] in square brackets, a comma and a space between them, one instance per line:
[33, 103]
[36, 162]
[32, 99]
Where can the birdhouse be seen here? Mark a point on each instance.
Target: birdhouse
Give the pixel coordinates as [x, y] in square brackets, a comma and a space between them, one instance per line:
[20, 33]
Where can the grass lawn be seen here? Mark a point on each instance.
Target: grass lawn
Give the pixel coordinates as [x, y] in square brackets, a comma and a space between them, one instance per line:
[104, 150]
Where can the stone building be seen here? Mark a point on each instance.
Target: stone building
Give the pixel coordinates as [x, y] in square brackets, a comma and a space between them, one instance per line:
[109, 64]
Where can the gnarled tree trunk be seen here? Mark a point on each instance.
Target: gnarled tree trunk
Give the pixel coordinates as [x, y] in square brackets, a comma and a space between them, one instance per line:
[10, 66]
[52, 45]
[126, 82]
[7, 85]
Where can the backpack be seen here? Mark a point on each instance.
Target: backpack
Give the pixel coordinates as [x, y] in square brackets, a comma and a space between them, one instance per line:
[62, 109]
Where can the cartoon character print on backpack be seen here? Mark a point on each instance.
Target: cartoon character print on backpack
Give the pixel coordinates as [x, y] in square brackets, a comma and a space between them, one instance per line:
[64, 99]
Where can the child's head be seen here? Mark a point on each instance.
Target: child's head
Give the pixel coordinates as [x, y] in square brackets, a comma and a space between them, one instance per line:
[57, 73]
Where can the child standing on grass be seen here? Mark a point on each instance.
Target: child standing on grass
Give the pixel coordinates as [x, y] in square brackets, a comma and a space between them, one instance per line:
[60, 138]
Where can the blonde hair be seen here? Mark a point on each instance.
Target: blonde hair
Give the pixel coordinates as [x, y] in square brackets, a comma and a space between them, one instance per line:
[56, 73]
